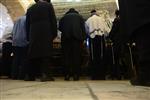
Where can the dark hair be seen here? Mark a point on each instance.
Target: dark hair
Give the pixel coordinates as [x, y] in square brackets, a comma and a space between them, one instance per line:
[117, 12]
[43, 0]
[48, 1]
[93, 11]
[36, 0]
[72, 10]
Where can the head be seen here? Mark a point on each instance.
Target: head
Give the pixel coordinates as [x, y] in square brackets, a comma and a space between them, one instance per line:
[93, 12]
[47, 1]
[36, 1]
[117, 12]
[72, 10]
[43, 0]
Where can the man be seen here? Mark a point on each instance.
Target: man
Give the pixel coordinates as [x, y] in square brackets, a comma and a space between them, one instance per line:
[19, 43]
[96, 27]
[135, 21]
[41, 29]
[114, 35]
[73, 34]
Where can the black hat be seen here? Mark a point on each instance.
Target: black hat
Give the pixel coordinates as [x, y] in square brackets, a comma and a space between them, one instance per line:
[48, 1]
[36, 0]
[72, 10]
[93, 11]
[117, 12]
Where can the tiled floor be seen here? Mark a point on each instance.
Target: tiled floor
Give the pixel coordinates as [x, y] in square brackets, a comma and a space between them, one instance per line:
[72, 90]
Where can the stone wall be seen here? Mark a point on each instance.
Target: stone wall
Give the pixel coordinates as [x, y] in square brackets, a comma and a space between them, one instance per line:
[14, 8]
[84, 8]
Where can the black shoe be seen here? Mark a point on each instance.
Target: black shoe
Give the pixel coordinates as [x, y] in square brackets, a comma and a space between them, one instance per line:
[44, 79]
[139, 83]
[67, 78]
[28, 78]
[76, 78]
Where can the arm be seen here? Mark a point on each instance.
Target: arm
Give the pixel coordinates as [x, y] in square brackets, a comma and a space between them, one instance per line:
[27, 24]
[53, 21]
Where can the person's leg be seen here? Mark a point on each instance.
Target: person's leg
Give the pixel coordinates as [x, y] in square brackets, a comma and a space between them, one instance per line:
[67, 53]
[16, 63]
[76, 57]
[96, 58]
[23, 65]
[46, 72]
[99, 62]
[30, 71]
[6, 59]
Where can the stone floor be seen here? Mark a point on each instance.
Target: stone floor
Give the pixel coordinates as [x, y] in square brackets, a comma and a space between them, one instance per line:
[72, 90]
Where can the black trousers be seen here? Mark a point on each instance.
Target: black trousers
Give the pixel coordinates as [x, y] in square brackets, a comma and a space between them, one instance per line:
[19, 62]
[38, 67]
[72, 56]
[97, 54]
[6, 59]
[143, 53]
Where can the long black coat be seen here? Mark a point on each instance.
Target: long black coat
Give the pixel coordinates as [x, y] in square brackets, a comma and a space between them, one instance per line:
[115, 33]
[41, 29]
[72, 26]
[134, 14]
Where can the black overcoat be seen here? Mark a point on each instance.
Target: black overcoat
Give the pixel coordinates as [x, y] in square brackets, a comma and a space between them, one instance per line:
[134, 14]
[72, 26]
[41, 29]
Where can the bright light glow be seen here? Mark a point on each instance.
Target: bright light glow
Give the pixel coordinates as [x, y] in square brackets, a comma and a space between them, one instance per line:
[117, 4]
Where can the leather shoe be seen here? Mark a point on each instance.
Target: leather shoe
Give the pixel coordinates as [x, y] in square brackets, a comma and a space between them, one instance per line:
[67, 78]
[29, 78]
[76, 78]
[44, 79]
[139, 83]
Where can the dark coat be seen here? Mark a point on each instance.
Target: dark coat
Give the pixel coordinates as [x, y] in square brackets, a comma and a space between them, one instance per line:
[41, 29]
[115, 32]
[72, 26]
[134, 14]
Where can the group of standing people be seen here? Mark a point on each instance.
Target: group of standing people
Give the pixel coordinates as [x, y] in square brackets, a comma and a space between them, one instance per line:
[33, 52]
[40, 25]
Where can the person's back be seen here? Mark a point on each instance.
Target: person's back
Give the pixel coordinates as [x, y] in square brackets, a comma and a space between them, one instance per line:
[115, 33]
[19, 33]
[41, 29]
[95, 22]
[72, 26]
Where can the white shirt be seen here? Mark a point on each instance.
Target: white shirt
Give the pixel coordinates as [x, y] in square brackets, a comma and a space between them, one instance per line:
[96, 23]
